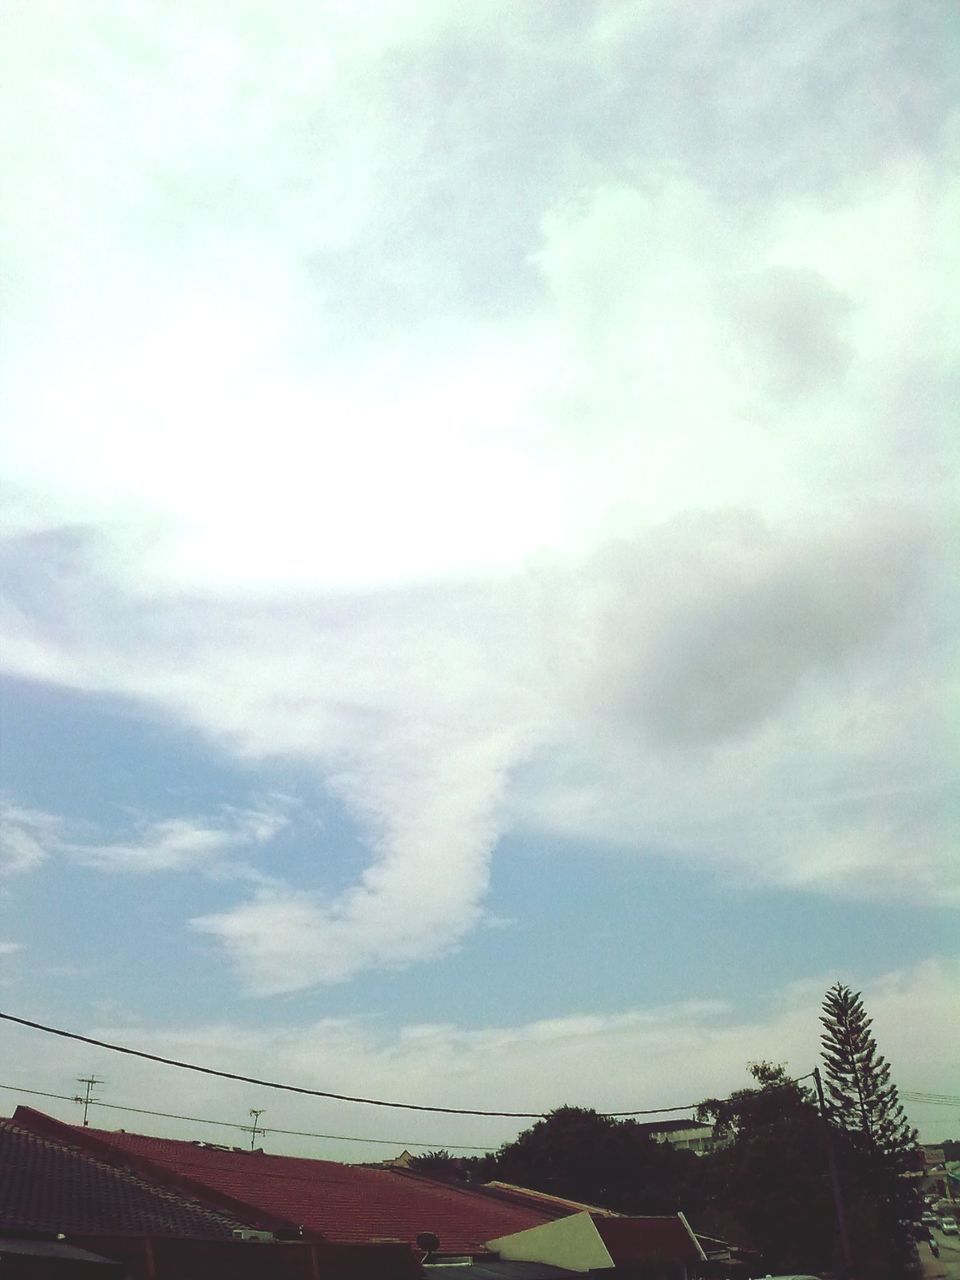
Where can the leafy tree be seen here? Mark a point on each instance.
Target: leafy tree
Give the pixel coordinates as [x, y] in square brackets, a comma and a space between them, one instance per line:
[582, 1155]
[440, 1165]
[766, 1183]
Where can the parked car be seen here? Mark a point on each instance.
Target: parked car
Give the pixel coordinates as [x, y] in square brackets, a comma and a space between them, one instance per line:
[949, 1227]
[930, 1220]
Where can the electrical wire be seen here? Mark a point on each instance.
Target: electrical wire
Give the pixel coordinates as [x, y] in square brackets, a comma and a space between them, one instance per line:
[930, 1099]
[245, 1128]
[316, 1093]
[300, 1133]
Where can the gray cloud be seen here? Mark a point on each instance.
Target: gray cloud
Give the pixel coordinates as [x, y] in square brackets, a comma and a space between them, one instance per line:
[707, 627]
[484, 405]
[791, 323]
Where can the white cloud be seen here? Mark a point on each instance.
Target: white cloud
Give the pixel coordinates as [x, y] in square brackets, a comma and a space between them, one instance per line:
[26, 838]
[760, 699]
[430, 811]
[171, 844]
[652, 1056]
[174, 844]
[321, 334]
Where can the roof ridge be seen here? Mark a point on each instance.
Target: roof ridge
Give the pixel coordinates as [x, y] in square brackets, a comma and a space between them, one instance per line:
[516, 1191]
[439, 1183]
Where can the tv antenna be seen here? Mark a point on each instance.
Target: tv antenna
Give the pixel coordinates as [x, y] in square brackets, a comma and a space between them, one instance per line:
[87, 1098]
[255, 1114]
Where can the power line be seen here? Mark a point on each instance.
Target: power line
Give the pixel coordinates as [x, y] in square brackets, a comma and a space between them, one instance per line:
[230, 1124]
[930, 1099]
[316, 1093]
[264, 1084]
[290, 1133]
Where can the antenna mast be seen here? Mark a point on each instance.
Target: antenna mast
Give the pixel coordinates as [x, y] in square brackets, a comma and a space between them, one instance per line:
[256, 1114]
[88, 1100]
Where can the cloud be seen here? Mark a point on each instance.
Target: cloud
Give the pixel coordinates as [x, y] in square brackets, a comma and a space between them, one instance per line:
[176, 844]
[430, 813]
[171, 844]
[26, 837]
[757, 698]
[714, 622]
[653, 1056]
[575, 465]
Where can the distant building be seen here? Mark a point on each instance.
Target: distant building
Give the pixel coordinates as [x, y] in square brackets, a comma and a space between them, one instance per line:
[684, 1135]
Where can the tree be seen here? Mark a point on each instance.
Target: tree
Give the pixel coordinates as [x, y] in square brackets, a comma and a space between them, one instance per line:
[581, 1155]
[766, 1183]
[440, 1165]
[863, 1099]
[865, 1108]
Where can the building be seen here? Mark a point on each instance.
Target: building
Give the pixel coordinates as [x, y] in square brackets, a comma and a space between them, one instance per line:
[320, 1200]
[684, 1135]
[177, 1210]
[590, 1242]
[66, 1212]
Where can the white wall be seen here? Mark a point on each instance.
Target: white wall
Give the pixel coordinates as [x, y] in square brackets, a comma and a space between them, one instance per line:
[569, 1242]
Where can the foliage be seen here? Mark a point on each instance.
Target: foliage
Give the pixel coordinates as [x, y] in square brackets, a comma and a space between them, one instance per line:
[767, 1183]
[438, 1164]
[882, 1147]
[863, 1100]
[582, 1155]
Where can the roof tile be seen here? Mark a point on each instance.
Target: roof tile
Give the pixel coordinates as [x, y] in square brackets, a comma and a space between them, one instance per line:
[50, 1186]
[342, 1203]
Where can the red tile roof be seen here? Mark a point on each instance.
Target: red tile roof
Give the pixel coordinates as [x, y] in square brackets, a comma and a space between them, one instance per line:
[633, 1239]
[49, 1186]
[342, 1203]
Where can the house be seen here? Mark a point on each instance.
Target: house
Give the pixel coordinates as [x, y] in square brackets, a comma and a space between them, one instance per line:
[66, 1212]
[663, 1246]
[318, 1200]
[48, 1186]
[191, 1210]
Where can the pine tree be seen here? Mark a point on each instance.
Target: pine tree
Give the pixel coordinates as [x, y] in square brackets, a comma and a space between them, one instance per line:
[863, 1099]
[865, 1105]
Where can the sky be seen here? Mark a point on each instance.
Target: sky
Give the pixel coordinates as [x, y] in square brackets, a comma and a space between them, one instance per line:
[479, 547]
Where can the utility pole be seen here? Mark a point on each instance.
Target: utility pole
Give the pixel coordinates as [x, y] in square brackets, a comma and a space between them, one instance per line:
[256, 1118]
[834, 1176]
[89, 1083]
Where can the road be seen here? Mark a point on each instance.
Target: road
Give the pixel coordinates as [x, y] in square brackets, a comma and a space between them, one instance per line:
[947, 1266]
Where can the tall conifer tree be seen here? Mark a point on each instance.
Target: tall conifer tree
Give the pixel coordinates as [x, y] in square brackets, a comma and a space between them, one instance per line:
[863, 1099]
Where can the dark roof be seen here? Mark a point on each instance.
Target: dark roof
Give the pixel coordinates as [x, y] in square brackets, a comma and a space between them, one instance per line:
[346, 1204]
[633, 1239]
[49, 1186]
